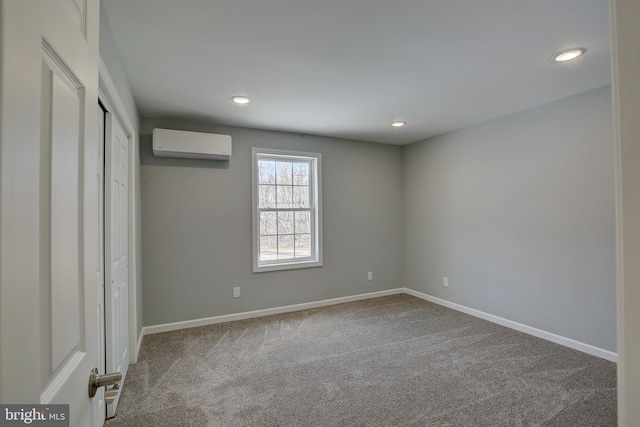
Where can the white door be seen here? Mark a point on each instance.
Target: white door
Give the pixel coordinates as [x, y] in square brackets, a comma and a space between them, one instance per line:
[49, 335]
[116, 248]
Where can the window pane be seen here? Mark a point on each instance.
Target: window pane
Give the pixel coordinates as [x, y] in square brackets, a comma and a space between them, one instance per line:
[268, 248]
[303, 245]
[303, 222]
[266, 172]
[268, 223]
[301, 197]
[285, 247]
[284, 173]
[285, 222]
[284, 197]
[301, 173]
[267, 196]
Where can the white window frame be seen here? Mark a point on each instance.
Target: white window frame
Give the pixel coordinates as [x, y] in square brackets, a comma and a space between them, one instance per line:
[315, 181]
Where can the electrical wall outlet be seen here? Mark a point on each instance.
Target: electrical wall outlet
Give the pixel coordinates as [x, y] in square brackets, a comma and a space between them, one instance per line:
[445, 281]
[370, 275]
[236, 292]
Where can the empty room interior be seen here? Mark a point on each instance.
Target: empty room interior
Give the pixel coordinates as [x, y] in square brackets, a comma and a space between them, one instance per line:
[395, 213]
[495, 199]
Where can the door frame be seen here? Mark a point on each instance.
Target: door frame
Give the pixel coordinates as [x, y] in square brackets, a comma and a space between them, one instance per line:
[108, 95]
[625, 59]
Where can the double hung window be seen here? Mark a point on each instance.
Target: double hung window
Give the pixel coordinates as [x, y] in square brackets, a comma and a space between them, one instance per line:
[287, 222]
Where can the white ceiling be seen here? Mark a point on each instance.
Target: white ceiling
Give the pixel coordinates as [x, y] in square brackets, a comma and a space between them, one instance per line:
[348, 68]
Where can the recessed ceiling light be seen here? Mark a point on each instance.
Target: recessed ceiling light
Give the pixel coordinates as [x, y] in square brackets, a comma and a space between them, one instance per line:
[241, 99]
[398, 124]
[567, 55]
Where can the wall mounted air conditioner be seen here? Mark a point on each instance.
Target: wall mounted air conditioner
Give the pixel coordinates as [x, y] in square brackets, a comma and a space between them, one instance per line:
[191, 145]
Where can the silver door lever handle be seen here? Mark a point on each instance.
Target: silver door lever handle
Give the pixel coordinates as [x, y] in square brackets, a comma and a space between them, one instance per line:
[96, 381]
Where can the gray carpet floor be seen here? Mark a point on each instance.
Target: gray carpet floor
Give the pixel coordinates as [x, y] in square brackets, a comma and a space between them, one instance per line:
[391, 361]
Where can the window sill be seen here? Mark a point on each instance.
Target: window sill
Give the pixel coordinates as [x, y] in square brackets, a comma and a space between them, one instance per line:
[286, 266]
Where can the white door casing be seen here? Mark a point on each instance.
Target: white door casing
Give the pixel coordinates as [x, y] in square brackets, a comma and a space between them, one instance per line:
[116, 250]
[101, 287]
[49, 337]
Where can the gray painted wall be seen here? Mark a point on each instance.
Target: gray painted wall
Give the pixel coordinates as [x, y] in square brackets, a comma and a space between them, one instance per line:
[518, 212]
[110, 56]
[196, 226]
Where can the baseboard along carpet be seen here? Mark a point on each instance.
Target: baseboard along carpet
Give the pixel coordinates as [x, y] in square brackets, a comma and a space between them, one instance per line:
[390, 361]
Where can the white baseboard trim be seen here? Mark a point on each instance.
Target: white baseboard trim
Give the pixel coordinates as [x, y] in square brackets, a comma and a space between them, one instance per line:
[567, 342]
[166, 327]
